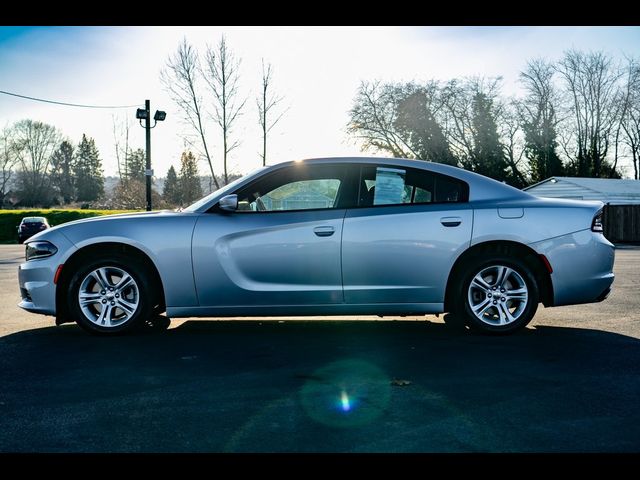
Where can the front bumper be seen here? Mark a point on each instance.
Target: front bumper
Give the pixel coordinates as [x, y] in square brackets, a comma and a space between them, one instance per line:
[37, 290]
[582, 265]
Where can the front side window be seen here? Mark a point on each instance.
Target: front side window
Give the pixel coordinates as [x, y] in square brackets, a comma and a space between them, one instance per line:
[300, 187]
[397, 186]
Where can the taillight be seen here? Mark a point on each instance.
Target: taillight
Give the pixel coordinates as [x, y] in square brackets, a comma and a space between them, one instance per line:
[596, 225]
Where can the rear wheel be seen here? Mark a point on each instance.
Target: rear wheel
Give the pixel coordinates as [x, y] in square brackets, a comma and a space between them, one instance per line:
[110, 295]
[498, 295]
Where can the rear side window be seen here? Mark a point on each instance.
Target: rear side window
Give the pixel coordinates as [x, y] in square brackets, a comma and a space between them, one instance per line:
[382, 185]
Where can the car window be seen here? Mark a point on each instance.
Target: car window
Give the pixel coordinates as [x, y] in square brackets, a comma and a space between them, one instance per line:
[386, 185]
[302, 195]
[296, 188]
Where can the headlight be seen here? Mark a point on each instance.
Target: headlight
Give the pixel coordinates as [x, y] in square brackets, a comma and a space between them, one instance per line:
[39, 250]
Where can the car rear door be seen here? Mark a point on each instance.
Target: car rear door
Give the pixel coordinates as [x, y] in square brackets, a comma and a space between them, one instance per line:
[399, 245]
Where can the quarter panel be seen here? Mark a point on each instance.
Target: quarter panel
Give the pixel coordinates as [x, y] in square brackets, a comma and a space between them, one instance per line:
[537, 223]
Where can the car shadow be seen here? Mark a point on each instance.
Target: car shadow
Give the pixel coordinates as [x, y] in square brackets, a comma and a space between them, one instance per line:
[342, 385]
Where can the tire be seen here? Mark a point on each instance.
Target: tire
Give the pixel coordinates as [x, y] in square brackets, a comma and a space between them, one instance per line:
[127, 308]
[517, 300]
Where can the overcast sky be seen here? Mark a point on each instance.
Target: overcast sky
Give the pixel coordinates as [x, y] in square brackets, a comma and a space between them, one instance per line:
[317, 69]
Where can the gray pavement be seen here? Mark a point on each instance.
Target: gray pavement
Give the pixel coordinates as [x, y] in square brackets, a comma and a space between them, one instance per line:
[569, 382]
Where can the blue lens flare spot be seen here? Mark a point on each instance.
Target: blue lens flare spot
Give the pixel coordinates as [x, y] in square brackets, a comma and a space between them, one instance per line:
[344, 402]
[346, 393]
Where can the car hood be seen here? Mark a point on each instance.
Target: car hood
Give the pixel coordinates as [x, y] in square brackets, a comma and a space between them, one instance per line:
[140, 216]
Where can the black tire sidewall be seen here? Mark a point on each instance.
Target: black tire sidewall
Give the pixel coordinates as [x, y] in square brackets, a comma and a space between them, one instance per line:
[476, 266]
[130, 266]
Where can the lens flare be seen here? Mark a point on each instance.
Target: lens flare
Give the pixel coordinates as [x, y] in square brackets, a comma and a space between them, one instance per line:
[344, 402]
[346, 393]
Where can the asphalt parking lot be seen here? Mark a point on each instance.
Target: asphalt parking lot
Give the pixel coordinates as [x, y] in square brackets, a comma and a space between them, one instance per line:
[569, 383]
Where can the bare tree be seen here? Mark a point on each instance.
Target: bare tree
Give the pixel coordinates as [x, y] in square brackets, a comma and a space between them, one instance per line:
[402, 119]
[267, 101]
[458, 119]
[372, 118]
[35, 143]
[7, 161]
[630, 119]
[591, 81]
[513, 141]
[539, 119]
[179, 78]
[121, 145]
[222, 74]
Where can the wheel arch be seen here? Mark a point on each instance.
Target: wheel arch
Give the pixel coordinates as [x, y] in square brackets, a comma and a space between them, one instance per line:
[505, 247]
[101, 248]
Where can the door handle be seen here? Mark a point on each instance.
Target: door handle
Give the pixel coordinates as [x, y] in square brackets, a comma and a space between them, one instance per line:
[450, 221]
[324, 231]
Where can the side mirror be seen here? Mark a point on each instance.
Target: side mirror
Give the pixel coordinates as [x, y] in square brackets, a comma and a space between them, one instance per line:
[229, 203]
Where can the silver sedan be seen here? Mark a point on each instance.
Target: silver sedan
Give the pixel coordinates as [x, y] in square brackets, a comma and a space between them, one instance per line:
[334, 236]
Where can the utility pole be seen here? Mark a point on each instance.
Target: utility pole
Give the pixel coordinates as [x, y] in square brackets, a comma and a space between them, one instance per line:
[148, 173]
[145, 114]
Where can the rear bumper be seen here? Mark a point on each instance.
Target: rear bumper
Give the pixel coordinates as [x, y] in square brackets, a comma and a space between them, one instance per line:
[582, 265]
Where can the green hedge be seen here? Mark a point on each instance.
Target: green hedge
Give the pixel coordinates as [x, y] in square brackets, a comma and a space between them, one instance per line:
[10, 219]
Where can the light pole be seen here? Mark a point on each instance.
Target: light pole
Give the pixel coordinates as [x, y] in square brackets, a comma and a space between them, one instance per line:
[159, 116]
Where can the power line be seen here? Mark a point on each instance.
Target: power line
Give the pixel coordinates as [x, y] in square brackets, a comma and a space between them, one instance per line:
[67, 104]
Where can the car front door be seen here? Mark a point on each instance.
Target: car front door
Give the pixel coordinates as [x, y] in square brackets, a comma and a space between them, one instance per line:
[281, 247]
[400, 243]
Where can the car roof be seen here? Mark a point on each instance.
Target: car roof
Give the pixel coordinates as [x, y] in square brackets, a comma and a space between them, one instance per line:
[481, 187]
[34, 219]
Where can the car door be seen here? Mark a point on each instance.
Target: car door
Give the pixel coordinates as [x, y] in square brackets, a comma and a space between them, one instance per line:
[281, 247]
[399, 245]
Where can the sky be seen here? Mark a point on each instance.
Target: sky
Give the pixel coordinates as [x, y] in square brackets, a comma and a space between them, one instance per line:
[316, 69]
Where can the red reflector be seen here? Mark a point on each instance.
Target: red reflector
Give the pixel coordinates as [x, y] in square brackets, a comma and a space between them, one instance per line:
[58, 271]
[545, 260]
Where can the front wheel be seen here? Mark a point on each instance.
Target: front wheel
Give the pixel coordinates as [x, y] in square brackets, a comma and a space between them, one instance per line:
[499, 295]
[110, 295]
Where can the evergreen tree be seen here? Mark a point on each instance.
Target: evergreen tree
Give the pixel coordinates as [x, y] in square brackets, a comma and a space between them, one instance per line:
[172, 191]
[61, 172]
[540, 148]
[136, 162]
[131, 190]
[415, 121]
[190, 187]
[88, 171]
[487, 154]
[403, 119]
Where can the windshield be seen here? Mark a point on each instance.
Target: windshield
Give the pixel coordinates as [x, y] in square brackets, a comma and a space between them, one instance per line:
[204, 200]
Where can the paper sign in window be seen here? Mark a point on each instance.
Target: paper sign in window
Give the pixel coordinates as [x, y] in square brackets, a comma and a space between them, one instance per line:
[389, 188]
